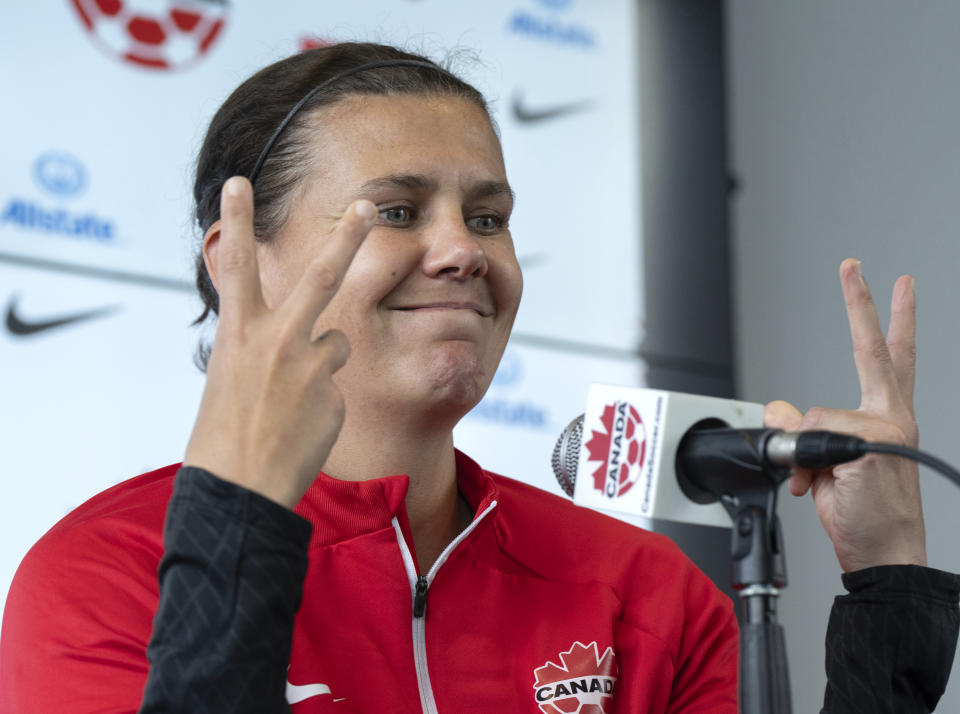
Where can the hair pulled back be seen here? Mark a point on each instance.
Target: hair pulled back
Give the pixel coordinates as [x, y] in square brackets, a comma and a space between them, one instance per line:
[250, 115]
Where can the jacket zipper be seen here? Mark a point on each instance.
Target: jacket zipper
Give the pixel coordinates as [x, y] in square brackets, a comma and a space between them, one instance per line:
[419, 584]
[420, 596]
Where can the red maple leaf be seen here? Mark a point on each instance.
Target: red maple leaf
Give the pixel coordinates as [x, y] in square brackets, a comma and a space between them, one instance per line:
[598, 447]
[579, 661]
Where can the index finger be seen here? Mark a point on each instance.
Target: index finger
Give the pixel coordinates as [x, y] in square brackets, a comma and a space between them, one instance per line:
[878, 382]
[239, 276]
[322, 278]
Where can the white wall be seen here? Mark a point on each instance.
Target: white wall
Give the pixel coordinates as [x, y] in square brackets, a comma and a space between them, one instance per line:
[844, 132]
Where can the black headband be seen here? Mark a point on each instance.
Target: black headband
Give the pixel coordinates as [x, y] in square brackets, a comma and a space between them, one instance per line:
[325, 83]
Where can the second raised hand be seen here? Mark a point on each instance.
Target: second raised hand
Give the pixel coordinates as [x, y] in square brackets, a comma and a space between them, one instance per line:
[871, 507]
[270, 412]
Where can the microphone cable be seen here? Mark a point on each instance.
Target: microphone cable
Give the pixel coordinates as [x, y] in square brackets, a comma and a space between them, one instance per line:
[819, 449]
[922, 457]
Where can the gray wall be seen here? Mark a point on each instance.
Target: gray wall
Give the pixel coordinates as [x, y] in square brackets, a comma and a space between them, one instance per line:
[844, 123]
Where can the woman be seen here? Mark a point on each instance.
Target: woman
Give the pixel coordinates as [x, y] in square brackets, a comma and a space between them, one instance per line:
[411, 579]
[398, 238]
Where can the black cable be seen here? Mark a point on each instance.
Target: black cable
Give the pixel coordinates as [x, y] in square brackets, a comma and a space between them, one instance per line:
[821, 449]
[915, 454]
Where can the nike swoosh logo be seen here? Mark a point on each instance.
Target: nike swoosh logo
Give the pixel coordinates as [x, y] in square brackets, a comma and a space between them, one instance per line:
[298, 692]
[21, 327]
[526, 115]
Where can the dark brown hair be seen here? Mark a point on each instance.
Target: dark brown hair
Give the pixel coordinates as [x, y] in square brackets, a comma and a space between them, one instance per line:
[250, 115]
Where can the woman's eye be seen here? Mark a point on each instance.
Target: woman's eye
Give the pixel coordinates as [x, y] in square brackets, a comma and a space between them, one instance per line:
[397, 215]
[486, 224]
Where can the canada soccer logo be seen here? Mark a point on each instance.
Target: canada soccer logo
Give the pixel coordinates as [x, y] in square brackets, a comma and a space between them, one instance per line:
[584, 683]
[620, 448]
[157, 34]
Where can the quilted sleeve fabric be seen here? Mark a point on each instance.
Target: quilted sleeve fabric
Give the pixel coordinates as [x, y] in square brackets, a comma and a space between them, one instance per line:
[231, 580]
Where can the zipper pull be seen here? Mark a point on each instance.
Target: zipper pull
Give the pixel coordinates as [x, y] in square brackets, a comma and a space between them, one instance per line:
[420, 598]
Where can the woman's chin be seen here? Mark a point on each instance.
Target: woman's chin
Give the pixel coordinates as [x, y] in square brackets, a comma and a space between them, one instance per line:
[438, 385]
[453, 381]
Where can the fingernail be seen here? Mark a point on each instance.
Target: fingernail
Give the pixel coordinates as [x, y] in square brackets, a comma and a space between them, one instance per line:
[366, 210]
[232, 186]
[858, 270]
[909, 286]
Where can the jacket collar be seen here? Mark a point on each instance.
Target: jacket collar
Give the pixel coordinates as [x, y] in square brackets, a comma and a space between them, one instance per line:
[340, 510]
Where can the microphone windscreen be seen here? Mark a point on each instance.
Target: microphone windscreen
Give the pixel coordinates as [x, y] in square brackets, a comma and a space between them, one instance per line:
[566, 455]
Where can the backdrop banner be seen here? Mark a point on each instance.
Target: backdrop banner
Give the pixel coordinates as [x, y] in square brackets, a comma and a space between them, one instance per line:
[105, 106]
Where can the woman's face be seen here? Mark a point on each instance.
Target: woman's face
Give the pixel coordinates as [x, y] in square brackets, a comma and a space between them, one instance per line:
[429, 300]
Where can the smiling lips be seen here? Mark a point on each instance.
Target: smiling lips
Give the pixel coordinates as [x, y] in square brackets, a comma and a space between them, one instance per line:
[447, 306]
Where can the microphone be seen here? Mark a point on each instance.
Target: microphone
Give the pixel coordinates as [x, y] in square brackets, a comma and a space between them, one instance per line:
[681, 457]
[702, 460]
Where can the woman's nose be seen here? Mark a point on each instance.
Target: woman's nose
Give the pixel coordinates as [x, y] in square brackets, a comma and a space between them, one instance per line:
[453, 251]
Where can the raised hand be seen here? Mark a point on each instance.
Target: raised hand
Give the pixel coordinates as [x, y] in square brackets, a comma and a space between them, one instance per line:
[270, 412]
[871, 507]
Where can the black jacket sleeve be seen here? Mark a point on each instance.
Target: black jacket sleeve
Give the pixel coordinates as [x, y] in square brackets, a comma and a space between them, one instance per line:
[231, 581]
[891, 641]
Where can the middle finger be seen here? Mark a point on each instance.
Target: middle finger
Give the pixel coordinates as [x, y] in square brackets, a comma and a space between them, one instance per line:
[322, 278]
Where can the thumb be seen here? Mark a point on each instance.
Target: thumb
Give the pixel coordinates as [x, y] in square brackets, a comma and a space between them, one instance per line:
[782, 415]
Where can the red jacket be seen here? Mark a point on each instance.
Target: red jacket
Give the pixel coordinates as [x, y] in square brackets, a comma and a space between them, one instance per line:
[539, 606]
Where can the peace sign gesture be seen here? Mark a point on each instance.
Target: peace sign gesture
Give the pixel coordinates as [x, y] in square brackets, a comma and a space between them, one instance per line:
[871, 507]
[270, 412]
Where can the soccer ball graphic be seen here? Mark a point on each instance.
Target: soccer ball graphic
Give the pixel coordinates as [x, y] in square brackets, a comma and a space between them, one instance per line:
[157, 34]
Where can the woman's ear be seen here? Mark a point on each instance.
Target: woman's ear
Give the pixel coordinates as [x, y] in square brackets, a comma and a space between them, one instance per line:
[211, 252]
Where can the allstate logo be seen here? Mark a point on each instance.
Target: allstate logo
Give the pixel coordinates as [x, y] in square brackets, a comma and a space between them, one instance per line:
[60, 174]
[548, 28]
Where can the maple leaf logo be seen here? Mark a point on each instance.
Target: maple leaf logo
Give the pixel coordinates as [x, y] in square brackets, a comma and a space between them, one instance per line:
[599, 446]
[620, 449]
[584, 684]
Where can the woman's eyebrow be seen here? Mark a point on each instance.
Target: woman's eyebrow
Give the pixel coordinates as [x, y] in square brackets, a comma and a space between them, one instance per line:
[424, 184]
[413, 182]
[491, 189]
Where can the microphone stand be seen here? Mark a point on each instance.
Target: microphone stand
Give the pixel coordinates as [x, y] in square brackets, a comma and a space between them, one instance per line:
[758, 574]
[732, 466]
